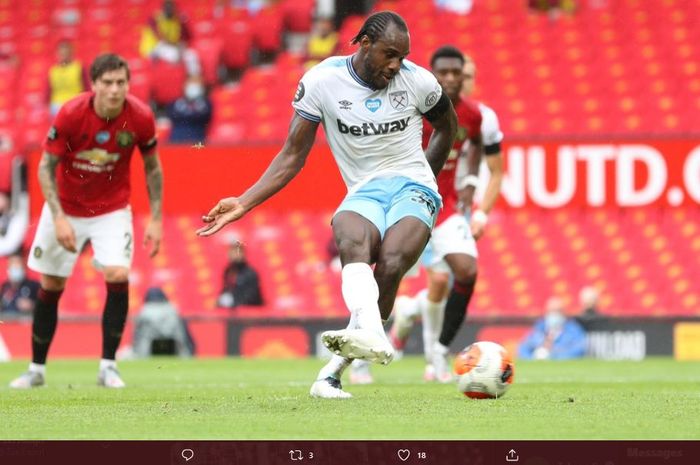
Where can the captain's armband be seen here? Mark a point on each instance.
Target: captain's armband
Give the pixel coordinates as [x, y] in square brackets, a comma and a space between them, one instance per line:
[442, 105]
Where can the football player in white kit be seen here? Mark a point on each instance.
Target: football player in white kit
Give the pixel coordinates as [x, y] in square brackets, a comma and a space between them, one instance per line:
[371, 105]
[439, 330]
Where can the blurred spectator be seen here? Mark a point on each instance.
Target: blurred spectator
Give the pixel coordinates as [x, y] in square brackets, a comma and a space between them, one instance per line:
[14, 220]
[190, 114]
[167, 38]
[241, 284]
[552, 7]
[588, 303]
[461, 7]
[19, 292]
[322, 41]
[325, 8]
[554, 337]
[67, 77]
[159, 329]
[252, 7]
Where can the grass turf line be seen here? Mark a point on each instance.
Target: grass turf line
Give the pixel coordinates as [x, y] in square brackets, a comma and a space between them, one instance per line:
[169, 398]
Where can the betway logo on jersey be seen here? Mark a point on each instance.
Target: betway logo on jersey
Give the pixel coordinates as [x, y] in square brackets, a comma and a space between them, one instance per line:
[373, 129]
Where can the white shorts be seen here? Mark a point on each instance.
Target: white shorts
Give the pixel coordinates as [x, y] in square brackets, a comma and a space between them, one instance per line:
[449, 237]
[111, 236]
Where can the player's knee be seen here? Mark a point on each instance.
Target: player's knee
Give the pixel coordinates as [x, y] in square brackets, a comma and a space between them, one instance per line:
[352, 250]
[466, 272]
[116, 274]
[392, 266]
[439, 280]
[52, 283]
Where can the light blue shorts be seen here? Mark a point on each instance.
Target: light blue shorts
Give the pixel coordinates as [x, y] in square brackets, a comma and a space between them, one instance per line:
[385, 201]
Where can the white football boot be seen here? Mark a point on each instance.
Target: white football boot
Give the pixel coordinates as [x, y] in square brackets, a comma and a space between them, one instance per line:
[27, 380]
[359, 343]
[329, 388]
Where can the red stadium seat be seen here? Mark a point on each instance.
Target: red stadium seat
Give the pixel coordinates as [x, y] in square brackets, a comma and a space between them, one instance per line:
[267, 29]
[140, 85]
[238, 44]
[225, 133]
[298, 15]
[167, 82]
[209, 51]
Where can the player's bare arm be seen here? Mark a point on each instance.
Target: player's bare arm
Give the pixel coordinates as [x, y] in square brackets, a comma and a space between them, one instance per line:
[283, 168]
[473, 154]
[493, 188]
[47, 180]
[444, 121]
[154, 184]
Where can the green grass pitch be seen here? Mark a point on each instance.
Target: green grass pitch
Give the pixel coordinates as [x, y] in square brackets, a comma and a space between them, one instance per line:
[169, 398]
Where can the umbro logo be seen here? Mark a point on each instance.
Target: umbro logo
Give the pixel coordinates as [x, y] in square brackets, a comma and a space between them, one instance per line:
[345, 105]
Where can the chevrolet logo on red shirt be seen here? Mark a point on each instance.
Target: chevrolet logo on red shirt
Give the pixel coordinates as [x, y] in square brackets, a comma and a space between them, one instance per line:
[98, 156]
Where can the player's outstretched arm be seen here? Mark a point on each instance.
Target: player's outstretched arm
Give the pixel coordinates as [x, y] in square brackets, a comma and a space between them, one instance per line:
[444, 121]
[154, 183]
[283, 168]
[47, 180]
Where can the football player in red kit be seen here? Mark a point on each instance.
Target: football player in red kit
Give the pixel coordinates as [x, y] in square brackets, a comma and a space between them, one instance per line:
[84, 175]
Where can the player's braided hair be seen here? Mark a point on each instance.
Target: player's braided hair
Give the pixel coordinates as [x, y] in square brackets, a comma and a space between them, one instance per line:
[376, 24]
[447, 51]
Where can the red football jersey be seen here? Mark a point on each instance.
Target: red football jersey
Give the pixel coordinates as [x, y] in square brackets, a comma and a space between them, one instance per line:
[93, 176]
[469, 121]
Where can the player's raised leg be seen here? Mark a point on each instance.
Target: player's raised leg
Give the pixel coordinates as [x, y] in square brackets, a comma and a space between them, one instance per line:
[358, 242]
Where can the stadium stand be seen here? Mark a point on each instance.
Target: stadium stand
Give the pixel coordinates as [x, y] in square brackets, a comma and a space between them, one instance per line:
[633, 75]
[645, 266]
[546, 79]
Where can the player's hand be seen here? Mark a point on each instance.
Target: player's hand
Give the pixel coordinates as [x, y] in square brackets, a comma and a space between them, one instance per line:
[477, 229]
[153, 236]
[65, 234]
[466, 198]
[226, 211]
[477, 223]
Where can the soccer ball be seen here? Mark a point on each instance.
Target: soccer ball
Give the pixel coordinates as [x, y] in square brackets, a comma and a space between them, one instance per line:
[485, 370]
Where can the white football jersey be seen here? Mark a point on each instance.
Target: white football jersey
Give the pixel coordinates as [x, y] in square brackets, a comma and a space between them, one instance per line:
[491, 134]
[490, 129]
[372, 133]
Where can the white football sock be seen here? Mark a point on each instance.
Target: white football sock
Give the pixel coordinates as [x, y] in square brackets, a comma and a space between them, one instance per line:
[335, 367]
[407, 311]
[433, 314]
[37, 368]
[440, 349]
[361, 295]
[104, 364]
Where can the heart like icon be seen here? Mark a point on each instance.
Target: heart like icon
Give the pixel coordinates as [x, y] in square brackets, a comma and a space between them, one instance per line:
[403, 454]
